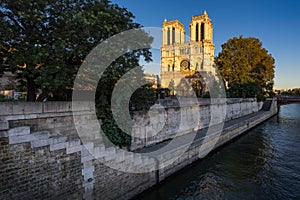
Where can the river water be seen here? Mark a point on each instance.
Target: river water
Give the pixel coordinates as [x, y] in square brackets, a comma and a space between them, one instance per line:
[264, 163]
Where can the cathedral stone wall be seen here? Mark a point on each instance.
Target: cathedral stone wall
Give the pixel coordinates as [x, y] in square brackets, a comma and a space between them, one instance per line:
[180, 57]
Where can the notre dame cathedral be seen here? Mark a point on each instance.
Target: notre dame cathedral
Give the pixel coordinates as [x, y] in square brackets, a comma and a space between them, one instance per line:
[181, 57]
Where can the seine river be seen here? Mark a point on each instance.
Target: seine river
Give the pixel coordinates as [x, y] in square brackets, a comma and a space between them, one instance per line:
[264, 163]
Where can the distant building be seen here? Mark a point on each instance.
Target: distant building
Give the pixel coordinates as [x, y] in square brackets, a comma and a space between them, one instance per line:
[152, 78]
[8, 85]
[181, 58]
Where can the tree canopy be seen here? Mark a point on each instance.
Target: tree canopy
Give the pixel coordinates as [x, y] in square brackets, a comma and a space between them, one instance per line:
[290, 92]
[45, 42]
[247, 67]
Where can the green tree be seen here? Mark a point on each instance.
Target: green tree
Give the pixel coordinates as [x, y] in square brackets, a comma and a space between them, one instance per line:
[197, 82]
[290, 92]
[247, 67]
[45, 42]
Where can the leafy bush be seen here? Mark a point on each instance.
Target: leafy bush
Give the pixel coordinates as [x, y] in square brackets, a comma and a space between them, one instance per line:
[113, 133]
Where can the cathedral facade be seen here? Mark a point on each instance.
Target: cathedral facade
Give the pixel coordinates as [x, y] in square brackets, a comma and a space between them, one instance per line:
[185, 57]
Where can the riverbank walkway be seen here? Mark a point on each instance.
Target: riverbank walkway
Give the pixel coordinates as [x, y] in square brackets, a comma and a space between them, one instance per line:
[201, 133]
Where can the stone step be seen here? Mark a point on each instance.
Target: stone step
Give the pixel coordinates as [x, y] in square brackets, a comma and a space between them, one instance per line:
[18, 131]
[4, 125]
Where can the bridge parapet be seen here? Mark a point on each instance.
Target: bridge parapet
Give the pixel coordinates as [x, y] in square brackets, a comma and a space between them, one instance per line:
[284, 100]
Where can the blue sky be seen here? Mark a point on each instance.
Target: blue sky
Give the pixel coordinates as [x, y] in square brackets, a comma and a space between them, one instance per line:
[275, 23]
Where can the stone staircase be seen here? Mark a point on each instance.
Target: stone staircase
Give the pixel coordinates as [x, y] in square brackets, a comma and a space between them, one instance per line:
[267, 105]
[91, 147]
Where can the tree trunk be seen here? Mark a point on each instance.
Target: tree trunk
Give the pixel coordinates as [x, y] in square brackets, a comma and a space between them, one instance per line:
[31, 94]
[43, 96]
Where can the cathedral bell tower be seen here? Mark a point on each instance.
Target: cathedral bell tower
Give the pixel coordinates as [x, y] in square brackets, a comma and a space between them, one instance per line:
[181, 58]
[201, 32]
[173, 32]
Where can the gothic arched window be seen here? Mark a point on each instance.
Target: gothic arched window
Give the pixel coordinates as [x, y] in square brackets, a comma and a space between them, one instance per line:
[173, 35]
[168, 36]
[197, 32]
[202, 31]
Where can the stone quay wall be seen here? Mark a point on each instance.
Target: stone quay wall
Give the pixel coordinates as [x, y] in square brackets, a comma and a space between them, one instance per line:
[229, 132]
[42, 156]
[162, 123]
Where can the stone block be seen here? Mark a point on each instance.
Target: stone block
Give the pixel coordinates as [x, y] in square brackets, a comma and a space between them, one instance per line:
[88, 164]
[87, 158]
[41, 135]
[58, 139]
[109, 157]
[120, 156]
[4, 125]
[87, 171]
[20, 108]
[98, 153]
[88, 176]
[3, 134]
[59, 146]
[88, 187]
[14, 117]
[83, 106]
[20, 139]
[73, 143]
[6, 108]
[85, 152]
[40, 143]
[73, 149]
[23, 130]
[31, 116]
[53, 107]
[89, 145]
[137, 161]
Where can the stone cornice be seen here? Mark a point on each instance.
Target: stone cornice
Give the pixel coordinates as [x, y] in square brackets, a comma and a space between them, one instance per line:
[173, 22]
